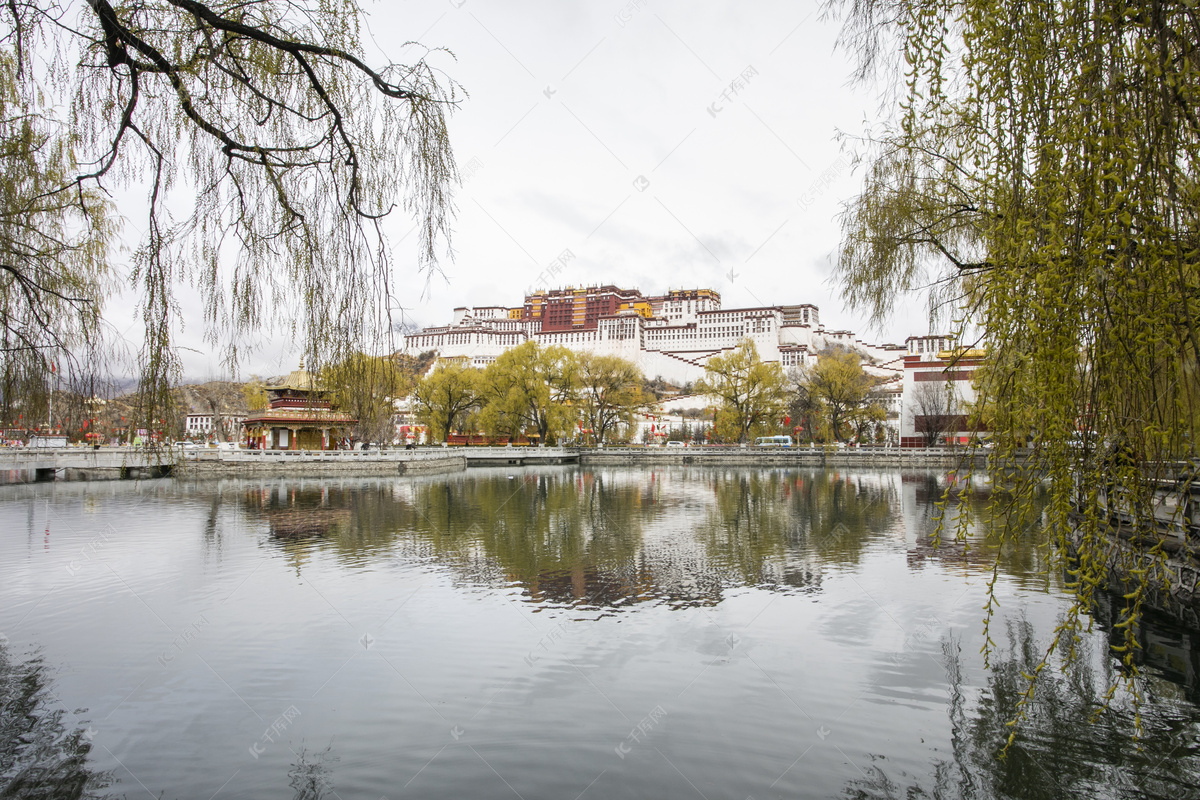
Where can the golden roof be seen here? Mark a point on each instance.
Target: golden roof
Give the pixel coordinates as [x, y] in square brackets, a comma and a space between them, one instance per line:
[300, 380]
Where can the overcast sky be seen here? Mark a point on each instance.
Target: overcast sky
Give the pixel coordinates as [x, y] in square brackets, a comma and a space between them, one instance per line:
[663, 143]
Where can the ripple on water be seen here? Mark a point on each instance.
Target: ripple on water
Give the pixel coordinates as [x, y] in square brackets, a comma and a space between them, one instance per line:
[617, 633]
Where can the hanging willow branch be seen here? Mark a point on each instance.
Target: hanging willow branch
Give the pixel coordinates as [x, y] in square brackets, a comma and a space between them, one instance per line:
[270, 152]
[1041, 171]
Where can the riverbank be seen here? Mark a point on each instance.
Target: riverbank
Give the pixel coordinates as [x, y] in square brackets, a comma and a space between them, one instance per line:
[260, 463]
[932, 457]
[1164, 548]
[124, 463]
[114, 463]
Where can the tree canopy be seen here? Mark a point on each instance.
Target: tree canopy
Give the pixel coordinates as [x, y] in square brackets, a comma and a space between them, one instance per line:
[546, 393]
[752, 392]
[609, 394]
[444, 396]
[531, 388]
[1040, 175]
[367, 387]
[269, 152]
[843, 395]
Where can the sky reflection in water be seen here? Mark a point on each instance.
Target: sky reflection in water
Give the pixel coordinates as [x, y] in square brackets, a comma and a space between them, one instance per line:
[548, 633]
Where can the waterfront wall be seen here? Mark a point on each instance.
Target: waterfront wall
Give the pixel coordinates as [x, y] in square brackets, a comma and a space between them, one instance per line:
[1170, 528]
[115, 463]
[1173, 579]
[128, 463]
[894, 457]
[259, 463]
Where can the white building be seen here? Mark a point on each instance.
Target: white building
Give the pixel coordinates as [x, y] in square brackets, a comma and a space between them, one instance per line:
[673, 341]
[938, 390]
[201, 426]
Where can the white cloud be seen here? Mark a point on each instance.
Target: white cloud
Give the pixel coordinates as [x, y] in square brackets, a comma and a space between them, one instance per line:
[615, 129]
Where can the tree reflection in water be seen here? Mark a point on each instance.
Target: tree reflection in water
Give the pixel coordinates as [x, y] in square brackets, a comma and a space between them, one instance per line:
[579, 537]
[310, 775]
[41, 754]
[778, 528]
[1058, 753]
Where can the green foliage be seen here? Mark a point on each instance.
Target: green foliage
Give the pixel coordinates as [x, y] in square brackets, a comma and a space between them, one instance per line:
[838, 397]
[752, 393]
[1042, 176]
[443, 397]
[55, 245]
[542, 392]
[255, 392]
[609, 396]
[531, 389]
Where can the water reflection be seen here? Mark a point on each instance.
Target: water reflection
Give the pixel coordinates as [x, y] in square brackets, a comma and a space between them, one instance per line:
[1170, 650]
[43, 750]
[1058, 752]
[595, 538]
[740, 600]
[311, 775]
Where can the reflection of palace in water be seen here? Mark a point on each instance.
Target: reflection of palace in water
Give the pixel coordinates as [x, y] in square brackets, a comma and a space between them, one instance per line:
[921, 493]
[614, 539]
[605, 538]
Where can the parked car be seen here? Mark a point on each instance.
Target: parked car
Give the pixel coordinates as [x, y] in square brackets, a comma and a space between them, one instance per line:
[676, 444]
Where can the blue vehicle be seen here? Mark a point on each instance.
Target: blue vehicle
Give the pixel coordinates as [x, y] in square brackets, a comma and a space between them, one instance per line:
[773, 441]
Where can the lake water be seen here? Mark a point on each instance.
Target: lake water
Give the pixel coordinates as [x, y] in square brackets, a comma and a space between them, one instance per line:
[551, 633]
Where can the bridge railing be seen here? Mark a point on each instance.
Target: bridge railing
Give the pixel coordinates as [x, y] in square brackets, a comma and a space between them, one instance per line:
[259, 456]
[1173, 511]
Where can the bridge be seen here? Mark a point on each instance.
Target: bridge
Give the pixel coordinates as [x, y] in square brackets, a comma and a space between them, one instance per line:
[85, 463]
[82, 463]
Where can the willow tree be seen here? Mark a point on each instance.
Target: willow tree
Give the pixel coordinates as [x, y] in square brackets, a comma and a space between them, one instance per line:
[752, 392]
[1040, 173]
[610, 395]
[531, 389]
[367, 387]
[844, 394]
[445, 396]
[269, 153]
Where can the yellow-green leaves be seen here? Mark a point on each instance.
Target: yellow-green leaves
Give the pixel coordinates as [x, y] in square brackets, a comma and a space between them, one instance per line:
[1043, 177]
[751, 393]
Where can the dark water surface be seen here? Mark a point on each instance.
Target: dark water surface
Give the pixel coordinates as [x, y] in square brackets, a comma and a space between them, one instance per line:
[557, 633]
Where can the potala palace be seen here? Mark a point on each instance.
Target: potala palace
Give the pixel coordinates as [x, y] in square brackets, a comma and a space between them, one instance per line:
[669, 336]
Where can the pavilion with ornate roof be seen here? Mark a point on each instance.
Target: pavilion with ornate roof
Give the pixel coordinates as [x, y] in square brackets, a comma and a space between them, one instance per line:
[299, 416]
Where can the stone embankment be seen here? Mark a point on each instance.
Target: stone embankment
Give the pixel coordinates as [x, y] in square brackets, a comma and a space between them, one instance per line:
[915, 458]
[1162, 541]
[111, 463]
[258, 463]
